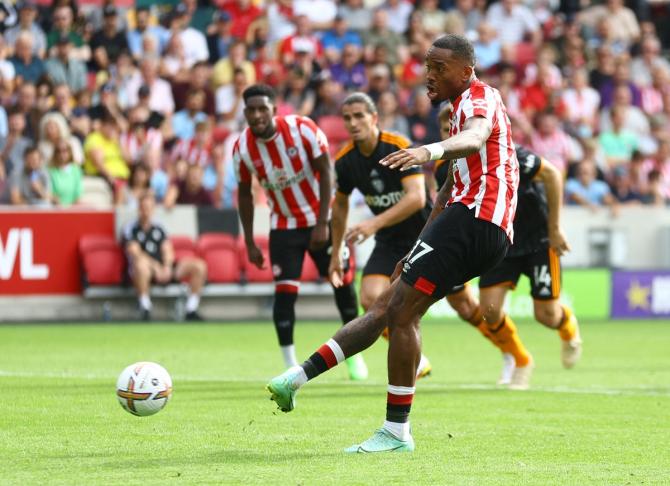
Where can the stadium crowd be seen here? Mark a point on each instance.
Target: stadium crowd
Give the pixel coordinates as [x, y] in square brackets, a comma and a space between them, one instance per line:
[102, 102]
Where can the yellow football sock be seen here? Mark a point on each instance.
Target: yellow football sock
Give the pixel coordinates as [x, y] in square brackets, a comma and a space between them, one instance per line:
[507, 339]
[567, 329]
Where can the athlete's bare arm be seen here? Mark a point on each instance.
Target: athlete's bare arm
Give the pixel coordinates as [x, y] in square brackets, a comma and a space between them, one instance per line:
[245, 204]
[471, 139]
[323, 166]
[412, 201]
[338, 224]
[553, 187]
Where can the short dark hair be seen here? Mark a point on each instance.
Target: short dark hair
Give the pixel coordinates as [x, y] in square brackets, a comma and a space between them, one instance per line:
[259, 90]
[363, 98]
[29, 150]
[459, 45]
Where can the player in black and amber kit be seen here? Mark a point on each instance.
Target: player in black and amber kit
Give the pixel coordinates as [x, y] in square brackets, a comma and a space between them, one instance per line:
[397, 199]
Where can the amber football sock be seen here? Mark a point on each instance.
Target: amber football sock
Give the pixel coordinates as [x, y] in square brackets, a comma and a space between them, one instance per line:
[507, 339]
[567, 328]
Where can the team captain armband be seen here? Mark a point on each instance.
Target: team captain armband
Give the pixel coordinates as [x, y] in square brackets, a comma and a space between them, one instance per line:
[436, 151]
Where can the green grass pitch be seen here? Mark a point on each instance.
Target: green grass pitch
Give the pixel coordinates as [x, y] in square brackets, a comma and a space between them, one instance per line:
[605, 422]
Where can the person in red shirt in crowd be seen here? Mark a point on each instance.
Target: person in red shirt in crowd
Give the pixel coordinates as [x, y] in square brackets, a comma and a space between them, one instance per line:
[242, 13]
[189, 190]
[303, 40]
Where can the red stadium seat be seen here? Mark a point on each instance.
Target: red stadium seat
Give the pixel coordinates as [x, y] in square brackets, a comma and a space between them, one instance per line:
[183, 247]
[252, 273]
[309, 271]
[103, 261]
[220, 252]
[335, 131]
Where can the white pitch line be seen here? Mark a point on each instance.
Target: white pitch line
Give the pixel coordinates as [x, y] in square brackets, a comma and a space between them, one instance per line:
[594, 390]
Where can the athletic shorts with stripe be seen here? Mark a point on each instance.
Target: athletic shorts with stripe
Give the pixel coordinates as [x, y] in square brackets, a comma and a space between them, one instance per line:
[455, 248]
[287, 254]
[384, 258]
[543, 268]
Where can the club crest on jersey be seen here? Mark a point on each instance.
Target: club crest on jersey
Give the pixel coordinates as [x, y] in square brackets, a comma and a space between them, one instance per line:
[378, 185]
[292, 152]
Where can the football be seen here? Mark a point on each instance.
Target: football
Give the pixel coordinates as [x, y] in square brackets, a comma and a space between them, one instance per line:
[144, 388]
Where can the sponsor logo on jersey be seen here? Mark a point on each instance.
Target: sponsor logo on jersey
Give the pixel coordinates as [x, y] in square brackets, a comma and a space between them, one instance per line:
[378, 185]
[384, 200]
[282, 180]
[292, 152]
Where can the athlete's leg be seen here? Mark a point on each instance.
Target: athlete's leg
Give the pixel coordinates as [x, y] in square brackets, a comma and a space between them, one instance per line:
[194, 270]
[545, 277]
[372, 286]
[287, 252]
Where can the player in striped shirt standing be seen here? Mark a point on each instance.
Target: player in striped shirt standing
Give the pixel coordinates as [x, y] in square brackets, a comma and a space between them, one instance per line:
[468, 233]
[289, 157]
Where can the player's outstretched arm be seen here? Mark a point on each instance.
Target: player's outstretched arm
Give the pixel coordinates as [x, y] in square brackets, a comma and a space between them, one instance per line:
[553, 186]
[323, 166]
[245, 205]
[469, 140]
[338, 224]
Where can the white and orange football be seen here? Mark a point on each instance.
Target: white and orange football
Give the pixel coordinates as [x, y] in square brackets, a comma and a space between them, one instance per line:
[144, 388]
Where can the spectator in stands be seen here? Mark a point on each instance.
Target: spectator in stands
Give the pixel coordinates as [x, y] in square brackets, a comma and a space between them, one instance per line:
[184, 121]
[321, 13]
[624, 24]
[142, 28]
[390, 118]
[103, 155]
[603, 72]
[31, 185]
[622, 187]
[581, 104]
[243, 13]
[634, 118]
[7, 71]
[328, 97]
[355, 14]
[199, 14]
[229, 102]
[350, 71]
[53, 130]
[194, 151]
[620, 77]
[398, 12]
[198, 79]
[302, 41]
[193, 41]
[618, 143]
[379, 81]
[65, 176]
[650, 58]
[585, 190]
[298, 98]
[514, 22]
[488, 49]
[189, 190]
[464, 19]
[13, 146]
[422, 121]
[108, 42]
[159, 91]
[652, 94]
[379, 34]
[151, 259]
[27, 66]
[174, 65]
[139, 183]
[62, 26]
[334, 40]
[27, 16]
[550, 140]
[223, 70]
[656, 195]
[433, 19]
[63, 68]
[219, 42]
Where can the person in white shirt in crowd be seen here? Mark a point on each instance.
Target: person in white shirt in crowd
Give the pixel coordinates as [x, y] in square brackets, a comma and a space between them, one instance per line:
[160, 92]
[514, 22]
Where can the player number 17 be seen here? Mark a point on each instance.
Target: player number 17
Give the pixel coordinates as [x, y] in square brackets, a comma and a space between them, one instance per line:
[425, 248]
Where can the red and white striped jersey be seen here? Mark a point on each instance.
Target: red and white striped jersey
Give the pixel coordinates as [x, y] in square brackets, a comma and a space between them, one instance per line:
[283, 168]
[487, 180]
[191, 152]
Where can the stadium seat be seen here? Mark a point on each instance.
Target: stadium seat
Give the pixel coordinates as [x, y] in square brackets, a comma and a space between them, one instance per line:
[252, 273]
[334, 129]
[220, 252]
[96, 193]
[103, 261]
[309, 271]
[183, 247]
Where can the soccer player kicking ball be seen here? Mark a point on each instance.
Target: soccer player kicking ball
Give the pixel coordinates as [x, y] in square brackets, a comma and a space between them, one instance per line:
[538, 244]
[289, 157]
[461, 240]
[398, 201]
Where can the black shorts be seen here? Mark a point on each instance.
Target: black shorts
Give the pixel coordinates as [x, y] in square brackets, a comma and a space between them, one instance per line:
[385, 257]
[543, 268]
[287, 253]
[455, 248]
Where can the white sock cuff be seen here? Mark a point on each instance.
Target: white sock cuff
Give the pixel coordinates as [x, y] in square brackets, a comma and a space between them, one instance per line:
[336, 349]
[401, 390]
